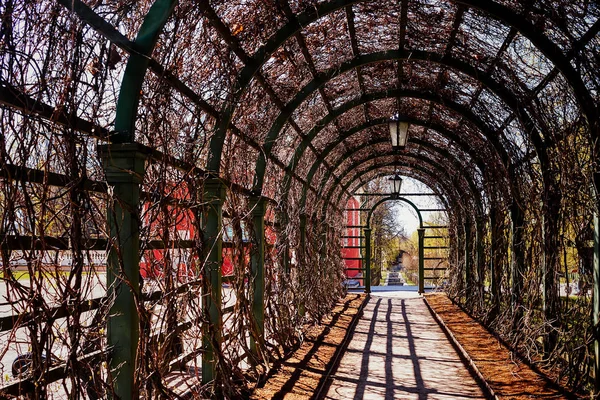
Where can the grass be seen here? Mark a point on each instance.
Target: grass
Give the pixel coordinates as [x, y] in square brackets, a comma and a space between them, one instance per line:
[19, 275]
[408, 281]
[25, 276]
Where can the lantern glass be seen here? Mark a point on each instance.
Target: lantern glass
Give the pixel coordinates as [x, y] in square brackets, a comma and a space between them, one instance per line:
[398, 133]
[395, 185]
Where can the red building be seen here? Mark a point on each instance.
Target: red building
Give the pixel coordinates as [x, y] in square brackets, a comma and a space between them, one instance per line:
[350, 250]
[184, 261]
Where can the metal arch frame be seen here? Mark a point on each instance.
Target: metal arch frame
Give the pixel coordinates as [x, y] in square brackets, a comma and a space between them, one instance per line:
[432, 171]
[507, 16]
[420, 175]
[452, 210]
[502, 13]
[351, 152]
[418, 158]
[135, 72]
[484, 129]
[394, 55]
[505, 96]
[468, 219]
[497, 11]
[474, 188]
[426, 167]
[410, 203]
[395, 93]
[318, 81]
[475, 193]
[462, 145]
[428, 146]
[421, 244]
[451, 190]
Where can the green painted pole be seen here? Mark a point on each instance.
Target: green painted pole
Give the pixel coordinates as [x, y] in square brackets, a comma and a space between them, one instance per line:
[596, 287]
[518, 258]
[367, 260]
[285, 259]
[479, 256]
[467, 264]
[124, 167]
[135, 72]
[303, 235]
[257, 265]
[214, 196]
[324, 242]
[545, 285]
[494, 277]
[302, 260]
[421, 232]
[323, 254]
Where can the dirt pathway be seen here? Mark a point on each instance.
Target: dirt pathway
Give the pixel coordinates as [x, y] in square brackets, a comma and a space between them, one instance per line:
[303, 374]
[398, 351]
[505, 374]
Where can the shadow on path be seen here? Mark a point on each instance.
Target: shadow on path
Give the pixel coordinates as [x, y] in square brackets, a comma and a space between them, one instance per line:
[397, 351]
[364, 365]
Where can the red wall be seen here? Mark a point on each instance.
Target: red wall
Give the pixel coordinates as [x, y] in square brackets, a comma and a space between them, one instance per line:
[353, 219]
[152, 264]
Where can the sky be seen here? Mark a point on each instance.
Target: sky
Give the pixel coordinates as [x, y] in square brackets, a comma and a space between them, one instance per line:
[405, 215]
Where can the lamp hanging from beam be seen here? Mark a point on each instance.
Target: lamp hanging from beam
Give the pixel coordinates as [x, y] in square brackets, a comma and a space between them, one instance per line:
[398, 132]
[395, 185]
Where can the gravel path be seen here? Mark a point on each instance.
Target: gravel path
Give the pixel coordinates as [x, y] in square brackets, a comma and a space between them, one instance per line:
[398, 351]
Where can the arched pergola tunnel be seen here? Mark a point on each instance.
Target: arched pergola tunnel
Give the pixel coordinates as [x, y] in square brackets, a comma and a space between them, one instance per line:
[230, 136]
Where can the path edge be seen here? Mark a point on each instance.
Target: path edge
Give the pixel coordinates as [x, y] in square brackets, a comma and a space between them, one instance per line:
[336, 359]
[467, 360]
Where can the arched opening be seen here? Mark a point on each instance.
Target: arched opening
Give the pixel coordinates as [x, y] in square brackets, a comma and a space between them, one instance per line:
[181, 171]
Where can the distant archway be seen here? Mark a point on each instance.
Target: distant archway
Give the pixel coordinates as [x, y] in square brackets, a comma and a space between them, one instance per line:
[367, 236]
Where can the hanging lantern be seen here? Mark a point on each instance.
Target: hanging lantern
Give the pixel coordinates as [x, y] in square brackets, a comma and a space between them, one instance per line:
[395, 185]
[398, 133]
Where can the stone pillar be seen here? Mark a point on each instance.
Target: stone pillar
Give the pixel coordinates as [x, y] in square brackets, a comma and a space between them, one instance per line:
[124, 166]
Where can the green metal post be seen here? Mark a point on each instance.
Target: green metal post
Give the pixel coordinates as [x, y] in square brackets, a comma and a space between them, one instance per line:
[518, 257]
[324, 242]
[596, 299]
[303, 235]
[302, 259]
[494, 284]
[124, 166]
[479, 263]
[139, 60]
[214, 196]
[285, 259]
[596, 287]
[323, 255]
[367, 260]
[545, 286]
[421, 232]
[467, 255]
[257, 265]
